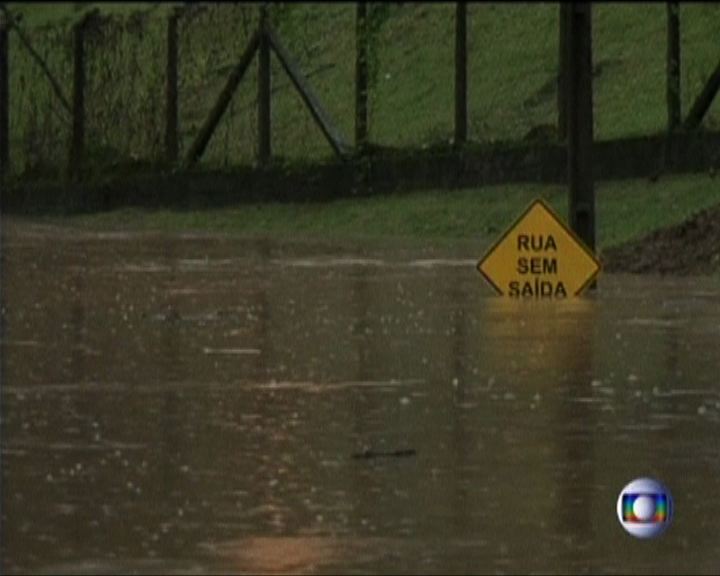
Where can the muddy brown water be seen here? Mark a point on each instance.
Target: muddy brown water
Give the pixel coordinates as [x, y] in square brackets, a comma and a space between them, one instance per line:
[190, 404]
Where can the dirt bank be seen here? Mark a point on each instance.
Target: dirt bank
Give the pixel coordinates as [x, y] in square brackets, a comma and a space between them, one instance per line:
[692, 247]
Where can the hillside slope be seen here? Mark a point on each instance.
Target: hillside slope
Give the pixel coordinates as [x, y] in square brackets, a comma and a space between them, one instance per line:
[512, 69]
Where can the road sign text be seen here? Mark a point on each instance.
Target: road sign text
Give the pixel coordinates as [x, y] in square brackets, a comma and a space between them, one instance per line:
[539, 257]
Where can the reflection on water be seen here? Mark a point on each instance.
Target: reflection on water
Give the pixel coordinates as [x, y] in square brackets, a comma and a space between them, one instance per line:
[192, 404]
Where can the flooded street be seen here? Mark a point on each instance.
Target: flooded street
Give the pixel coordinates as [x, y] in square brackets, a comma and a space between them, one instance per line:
[189, 403]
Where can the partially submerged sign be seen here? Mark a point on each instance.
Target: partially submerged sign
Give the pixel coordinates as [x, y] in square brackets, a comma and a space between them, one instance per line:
[539, 257]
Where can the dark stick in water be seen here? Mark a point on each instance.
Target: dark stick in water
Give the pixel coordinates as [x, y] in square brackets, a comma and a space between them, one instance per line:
[367, 453]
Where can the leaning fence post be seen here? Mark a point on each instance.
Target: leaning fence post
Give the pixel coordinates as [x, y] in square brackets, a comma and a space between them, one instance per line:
[703, 101]
[673, 67]
[322, 119]
[77, 142]
[196, 149]
[460, 73]
[4, 102]
[171, 90]
[361, 76]
[264, 88]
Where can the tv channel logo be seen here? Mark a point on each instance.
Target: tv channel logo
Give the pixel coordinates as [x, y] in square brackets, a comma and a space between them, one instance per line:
[645, 508]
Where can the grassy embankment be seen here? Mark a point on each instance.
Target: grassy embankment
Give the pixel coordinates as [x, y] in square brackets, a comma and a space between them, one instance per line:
[512, 63]
[625, 210]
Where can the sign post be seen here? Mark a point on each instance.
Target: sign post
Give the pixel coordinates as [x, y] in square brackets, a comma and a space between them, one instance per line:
[580, 123]
[539, 257]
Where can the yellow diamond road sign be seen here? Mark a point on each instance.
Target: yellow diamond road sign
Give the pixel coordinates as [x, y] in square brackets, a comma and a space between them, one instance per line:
[539, 257]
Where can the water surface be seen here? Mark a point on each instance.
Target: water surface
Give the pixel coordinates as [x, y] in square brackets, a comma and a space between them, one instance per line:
[189, 403]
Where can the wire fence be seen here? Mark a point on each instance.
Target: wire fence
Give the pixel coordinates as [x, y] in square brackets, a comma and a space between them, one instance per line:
[125, 85]
[512, 81]
[39, 124]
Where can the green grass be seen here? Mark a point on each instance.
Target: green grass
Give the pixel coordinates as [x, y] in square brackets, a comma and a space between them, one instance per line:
[512, 67]
[50, 13]
[625, 210]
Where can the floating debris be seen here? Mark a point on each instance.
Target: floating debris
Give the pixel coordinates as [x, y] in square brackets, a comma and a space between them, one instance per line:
[401, 453]
[237, 351]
